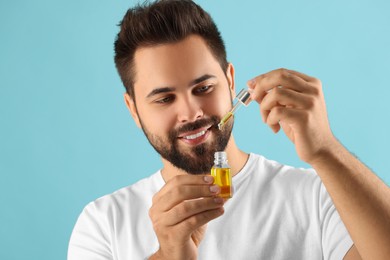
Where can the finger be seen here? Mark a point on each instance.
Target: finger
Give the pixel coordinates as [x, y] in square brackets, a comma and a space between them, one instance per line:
[263, 84]
[281, 96]
[314, 85]
[183, 193]
[275, 128]
[286, 97]
[190, 179]
[194, 222]
[302, 75]
[264, 114]
[177, 194]
[190, 208]
[180, 180]
[287, 115]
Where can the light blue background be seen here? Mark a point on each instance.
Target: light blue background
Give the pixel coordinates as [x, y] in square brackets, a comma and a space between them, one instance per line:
[66, 137]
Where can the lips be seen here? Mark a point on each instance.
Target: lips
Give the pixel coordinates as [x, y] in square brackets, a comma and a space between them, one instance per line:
[191, 137]
[195, 137]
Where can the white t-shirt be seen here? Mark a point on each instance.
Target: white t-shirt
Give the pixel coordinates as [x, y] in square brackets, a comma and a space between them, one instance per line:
[277, 212]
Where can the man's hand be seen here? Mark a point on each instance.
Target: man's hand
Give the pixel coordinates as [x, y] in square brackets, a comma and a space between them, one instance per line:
[180, 212]
[295, 102]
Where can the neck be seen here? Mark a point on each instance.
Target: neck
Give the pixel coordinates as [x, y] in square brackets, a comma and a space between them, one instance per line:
[236, 158]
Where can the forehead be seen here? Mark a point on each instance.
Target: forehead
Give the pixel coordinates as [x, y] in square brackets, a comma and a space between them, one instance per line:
[173, 64]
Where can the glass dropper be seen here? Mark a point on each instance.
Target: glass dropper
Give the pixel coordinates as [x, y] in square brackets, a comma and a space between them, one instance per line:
[243, 98]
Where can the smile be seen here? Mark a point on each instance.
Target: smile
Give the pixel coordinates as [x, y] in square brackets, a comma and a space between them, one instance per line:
[196, 137]
[191, 137]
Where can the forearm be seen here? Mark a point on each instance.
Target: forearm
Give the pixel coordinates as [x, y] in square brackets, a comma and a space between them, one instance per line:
[361, 198]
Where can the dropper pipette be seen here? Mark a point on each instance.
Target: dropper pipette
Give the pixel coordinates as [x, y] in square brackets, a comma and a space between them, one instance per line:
[243, 98]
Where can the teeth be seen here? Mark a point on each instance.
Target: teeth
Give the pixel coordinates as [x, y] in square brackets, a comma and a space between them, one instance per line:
[190, 137]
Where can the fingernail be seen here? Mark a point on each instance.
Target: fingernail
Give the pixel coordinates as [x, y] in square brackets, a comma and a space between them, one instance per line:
[214, 188]
[218, 200]
[208, 179]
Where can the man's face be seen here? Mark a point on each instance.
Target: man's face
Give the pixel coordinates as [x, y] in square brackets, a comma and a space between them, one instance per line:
[181, 94]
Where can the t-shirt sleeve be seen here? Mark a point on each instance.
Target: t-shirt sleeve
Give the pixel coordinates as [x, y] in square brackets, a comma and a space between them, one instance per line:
[335, 238]
[89, 239]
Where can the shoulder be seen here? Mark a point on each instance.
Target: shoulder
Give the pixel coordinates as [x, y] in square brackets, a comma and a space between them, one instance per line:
[278, 175]
[133, 196]
[259, 162]
[285, 186]
[100, 225]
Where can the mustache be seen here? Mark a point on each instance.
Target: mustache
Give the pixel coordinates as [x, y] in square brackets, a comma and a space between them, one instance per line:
[213, 121]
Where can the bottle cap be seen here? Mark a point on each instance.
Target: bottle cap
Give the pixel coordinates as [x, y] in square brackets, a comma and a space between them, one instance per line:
[220, 156]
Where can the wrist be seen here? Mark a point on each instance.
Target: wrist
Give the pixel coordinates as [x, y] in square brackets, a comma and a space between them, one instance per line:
[327, 154]
[155, 256]
[160, 255]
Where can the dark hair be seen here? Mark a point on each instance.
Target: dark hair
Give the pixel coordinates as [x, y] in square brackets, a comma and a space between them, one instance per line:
[165, 21]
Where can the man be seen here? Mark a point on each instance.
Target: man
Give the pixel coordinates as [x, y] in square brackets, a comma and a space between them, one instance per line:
[172, 61]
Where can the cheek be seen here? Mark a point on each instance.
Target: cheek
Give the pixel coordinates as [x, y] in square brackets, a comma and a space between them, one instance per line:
[219, 105]
[157, 122]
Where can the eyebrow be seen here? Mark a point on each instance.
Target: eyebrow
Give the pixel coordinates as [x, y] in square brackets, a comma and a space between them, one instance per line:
[159, 90]
[201, 79]
[170, 89]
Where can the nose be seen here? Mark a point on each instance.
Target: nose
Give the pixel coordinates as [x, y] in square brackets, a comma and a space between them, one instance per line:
[189, 110]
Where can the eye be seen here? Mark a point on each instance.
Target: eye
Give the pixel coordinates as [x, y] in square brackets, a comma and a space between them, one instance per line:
[203, 89]
[165, 100]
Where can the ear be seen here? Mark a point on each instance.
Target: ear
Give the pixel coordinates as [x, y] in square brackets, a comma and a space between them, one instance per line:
[130, 104]
[230, 79]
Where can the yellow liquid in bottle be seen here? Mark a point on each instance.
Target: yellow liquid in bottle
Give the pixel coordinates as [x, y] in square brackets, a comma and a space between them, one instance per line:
[223, 179]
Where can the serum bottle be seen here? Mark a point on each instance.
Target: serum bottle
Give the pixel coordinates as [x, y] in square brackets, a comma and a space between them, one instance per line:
[222, 175]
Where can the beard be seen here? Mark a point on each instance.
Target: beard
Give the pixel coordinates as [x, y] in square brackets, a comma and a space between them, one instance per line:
[194, 160]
